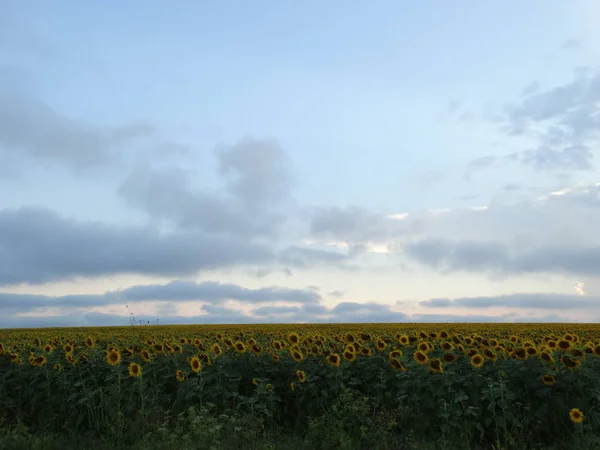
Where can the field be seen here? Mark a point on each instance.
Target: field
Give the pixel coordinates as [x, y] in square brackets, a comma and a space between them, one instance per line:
[374, 386]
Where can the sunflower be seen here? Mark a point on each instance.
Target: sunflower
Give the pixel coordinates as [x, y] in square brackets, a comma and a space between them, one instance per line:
[256, 349]
[58, 367]
[548, 380]
[531, 351]
[48, 348]
[563, 344]
[449, 357]
[576, 415]
[596, 350]
[570, 363]
[179, 376]
[489, 354]
[40, 360]
[195, 364]
[421, 357]
[146, 356]
[292, 386]
[403, 340]
[334, 359]
[240, 347]
[135, 370]
[255, 381]
[293, 338]
[216, 349]
[349, 338]
[397, 364]
[269, 387]
[435, 365]
[366, 351]
[301, 376]
[113, 357]
[578, 353]
[423, 347]
[396, 354]
[380, 345]
[68, 348]
[296, 354]
[477, 360]
[547, 356]
[349, 355]
[447, 346]
[275, 357]
[521, 353]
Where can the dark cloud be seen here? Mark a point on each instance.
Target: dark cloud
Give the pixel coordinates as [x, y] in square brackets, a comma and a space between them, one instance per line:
[498, 258]
[175, 291]
[38, 246]
[526, 301]
[215, 291]
[34, 128]
[337, 294]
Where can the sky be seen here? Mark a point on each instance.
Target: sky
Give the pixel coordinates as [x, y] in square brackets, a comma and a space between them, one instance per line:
[268, 162]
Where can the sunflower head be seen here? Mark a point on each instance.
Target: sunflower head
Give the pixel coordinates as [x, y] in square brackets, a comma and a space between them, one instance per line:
[301, 376]
[216, 349]
[421, 357]
[397, 365]
[349, 355]
[477, 360]
[570, 363]
[113, 357]
[135, 370]
[334, 359]
[435, 365]
[548, 380]
[449, 357]
[576, 415]
[195, 364]
[179, 376]
[240, 347]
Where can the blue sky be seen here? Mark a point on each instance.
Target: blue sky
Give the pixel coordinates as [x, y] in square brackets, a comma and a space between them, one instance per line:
[374, 159]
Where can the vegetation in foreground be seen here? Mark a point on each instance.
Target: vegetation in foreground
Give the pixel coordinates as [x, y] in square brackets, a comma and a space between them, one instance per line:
[374, 386]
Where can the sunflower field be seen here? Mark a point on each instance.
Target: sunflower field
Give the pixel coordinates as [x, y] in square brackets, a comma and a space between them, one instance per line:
[486, 385]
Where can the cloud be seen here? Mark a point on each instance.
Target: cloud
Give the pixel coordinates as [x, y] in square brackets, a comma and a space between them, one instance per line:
[215, 291]
[337, 294]
[477, 164]
[39, 246]
[500, 259]
[175, 291]
[32, 127]
[522, 301]
[565, 120]
[251, 202]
